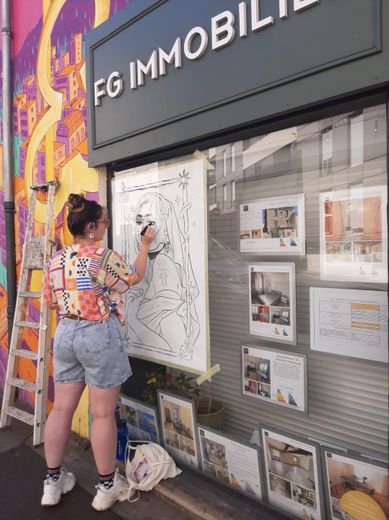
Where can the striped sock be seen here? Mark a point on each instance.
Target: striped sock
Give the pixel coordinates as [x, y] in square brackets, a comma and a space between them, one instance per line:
[53, 474]
[107, 480]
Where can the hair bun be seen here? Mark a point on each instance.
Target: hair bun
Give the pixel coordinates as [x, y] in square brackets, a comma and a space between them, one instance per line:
[76, 202]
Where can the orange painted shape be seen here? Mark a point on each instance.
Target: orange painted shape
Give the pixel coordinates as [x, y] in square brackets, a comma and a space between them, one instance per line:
[360, 506]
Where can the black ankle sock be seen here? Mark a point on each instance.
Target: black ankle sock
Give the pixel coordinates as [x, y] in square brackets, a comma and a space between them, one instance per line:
[107, 480]
[53, 473]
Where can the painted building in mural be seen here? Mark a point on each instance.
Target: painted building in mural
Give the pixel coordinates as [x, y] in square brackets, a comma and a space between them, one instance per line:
[49, 127]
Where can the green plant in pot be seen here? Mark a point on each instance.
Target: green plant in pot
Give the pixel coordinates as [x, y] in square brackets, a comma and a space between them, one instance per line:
[209, 411]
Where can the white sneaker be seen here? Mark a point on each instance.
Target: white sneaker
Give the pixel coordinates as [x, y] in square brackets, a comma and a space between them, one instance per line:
[53, 491]
[105, 498]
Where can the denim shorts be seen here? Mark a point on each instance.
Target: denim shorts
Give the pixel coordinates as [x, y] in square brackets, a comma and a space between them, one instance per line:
[90, 351]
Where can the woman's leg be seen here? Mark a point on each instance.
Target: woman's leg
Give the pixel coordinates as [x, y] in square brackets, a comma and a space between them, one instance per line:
[58, 424]
[104, 434]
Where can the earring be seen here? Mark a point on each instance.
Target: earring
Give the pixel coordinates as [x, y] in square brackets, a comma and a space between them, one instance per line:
[91, 236]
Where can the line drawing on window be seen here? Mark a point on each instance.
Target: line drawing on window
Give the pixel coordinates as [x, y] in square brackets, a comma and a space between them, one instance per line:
[162, 311]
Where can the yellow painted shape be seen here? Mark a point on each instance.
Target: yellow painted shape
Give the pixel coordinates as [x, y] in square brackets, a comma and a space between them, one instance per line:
[53, 114]
[361, 506]
[80, 423]
[36, 281]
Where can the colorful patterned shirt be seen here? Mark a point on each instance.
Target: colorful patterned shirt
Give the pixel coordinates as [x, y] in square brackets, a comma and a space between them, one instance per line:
[87, 281]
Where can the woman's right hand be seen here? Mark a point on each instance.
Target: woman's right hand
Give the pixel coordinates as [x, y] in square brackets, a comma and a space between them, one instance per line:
[148, 237]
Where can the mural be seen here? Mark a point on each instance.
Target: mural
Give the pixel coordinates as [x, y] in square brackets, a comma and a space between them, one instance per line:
[49, 127]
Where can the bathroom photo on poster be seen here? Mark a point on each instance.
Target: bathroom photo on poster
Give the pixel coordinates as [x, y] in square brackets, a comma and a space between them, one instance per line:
[272, 305]
[166, 313]
[353, 235]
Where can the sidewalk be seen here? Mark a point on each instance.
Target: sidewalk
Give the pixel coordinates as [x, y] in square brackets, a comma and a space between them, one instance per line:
[190, 496]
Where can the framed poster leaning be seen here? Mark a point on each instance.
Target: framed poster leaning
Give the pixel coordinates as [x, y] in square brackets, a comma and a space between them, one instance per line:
[293, 474]
[272, 301]
[355, 487]
[177, 416]
[230, 462]
[141, 419]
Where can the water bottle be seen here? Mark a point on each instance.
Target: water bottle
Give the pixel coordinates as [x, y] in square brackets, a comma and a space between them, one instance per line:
[122, 439]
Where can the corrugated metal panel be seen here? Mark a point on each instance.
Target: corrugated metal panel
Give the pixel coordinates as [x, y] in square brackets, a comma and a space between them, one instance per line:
[347, 397]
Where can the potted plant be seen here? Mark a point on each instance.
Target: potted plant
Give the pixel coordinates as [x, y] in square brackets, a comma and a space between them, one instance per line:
[209, 411]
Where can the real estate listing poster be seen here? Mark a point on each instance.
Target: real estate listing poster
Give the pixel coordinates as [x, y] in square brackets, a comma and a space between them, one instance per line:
[167, 311]
[292, 475]
[350, 322]
[355, 488]
[272, 301]
[141, 419]
[353, 235]
[230, 462]
[275, 376]
[178, 427]
[273, 225]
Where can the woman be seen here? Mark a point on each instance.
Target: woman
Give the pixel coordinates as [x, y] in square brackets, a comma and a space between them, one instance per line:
[88, 349]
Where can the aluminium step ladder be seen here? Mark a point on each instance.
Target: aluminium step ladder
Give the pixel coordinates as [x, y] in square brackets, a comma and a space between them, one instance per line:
[37, 251]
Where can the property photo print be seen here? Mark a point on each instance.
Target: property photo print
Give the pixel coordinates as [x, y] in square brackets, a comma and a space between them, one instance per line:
[177, 420]
[141, 420]
[273, 225]
[274, 376]
[272, 301]
[345, 474]
[292, 475]
[230, 462]
[354, 235]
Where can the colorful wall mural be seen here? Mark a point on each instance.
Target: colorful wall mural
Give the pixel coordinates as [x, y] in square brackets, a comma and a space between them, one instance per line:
[50, 136]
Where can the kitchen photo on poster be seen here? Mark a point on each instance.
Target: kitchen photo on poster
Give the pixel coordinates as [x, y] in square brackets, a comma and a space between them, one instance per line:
[230, 462]
[353, 235]
[273, 225]
[272, 301]
[141, 419]
[275, 376]
[292, 475]
[178, 427]
[355, 488]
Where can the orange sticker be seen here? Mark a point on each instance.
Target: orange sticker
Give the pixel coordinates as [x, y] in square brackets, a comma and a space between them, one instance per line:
[359, 506]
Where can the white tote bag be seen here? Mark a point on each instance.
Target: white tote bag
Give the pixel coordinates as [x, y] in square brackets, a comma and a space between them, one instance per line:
[150, 464]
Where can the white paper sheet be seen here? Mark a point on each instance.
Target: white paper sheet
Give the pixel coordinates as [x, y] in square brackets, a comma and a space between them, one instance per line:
[350, 322]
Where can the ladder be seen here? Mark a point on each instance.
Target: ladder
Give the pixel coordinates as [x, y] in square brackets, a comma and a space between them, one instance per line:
[37, 251]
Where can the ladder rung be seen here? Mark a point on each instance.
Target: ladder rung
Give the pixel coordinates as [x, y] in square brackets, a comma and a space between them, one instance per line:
[21, 383]
[44, 185]
[21, 415]
[30, 324]
[25, 353]
[29, 294]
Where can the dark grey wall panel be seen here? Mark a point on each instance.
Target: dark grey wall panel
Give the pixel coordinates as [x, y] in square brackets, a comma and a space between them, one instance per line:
[323, 52]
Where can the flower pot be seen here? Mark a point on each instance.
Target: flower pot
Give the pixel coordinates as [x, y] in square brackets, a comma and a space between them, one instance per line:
[209, 412]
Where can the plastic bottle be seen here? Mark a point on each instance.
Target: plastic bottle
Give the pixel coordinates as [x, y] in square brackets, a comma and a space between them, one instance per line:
[122, 439]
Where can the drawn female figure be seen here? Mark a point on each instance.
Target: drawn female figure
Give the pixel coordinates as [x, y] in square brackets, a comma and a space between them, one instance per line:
[161, 310]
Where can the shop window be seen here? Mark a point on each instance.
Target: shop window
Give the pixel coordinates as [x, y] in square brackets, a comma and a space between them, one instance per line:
[293, 197]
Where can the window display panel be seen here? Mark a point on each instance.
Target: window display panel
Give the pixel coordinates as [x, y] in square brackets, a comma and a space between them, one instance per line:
[328, 176]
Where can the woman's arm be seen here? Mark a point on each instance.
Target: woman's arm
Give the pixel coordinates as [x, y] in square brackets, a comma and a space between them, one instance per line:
[140, 262]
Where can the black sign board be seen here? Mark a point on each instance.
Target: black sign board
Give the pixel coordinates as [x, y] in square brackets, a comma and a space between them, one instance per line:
[161, 73]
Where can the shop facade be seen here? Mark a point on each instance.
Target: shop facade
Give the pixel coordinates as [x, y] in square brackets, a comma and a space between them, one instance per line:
[255, 136]
[271, 119]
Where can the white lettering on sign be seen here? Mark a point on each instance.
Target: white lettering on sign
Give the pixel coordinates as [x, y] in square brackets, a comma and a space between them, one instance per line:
[223, 29]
